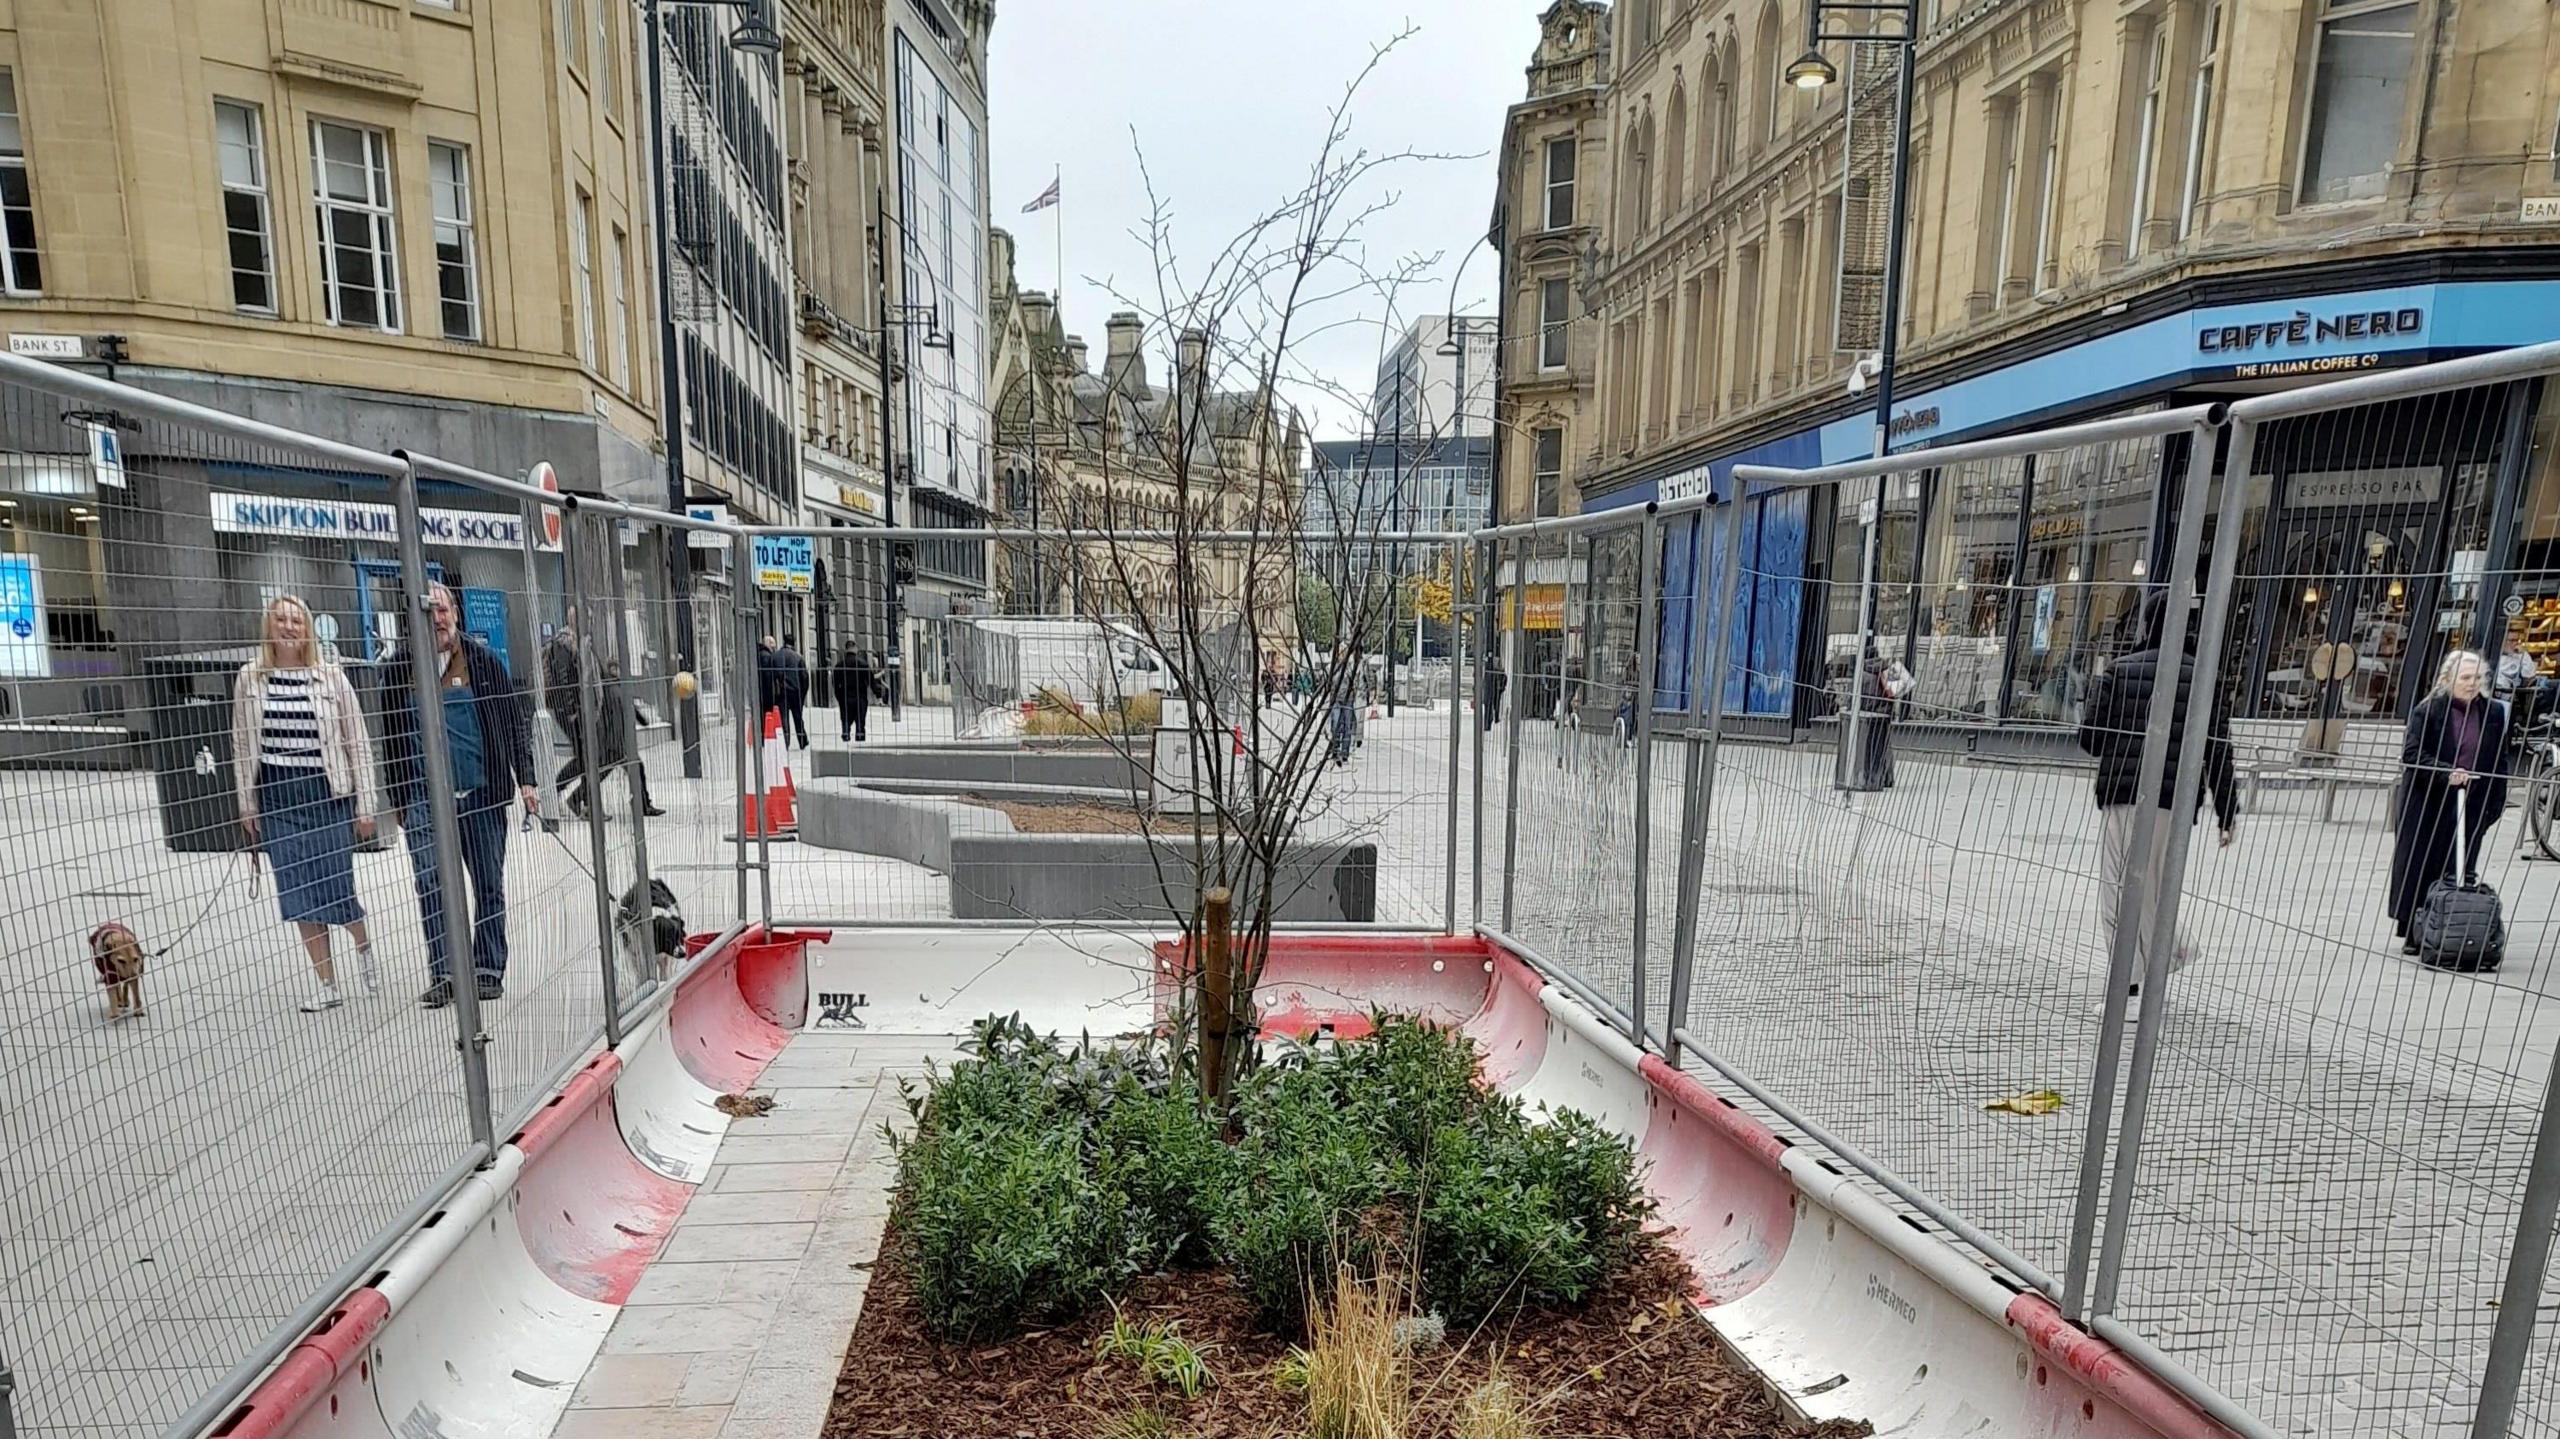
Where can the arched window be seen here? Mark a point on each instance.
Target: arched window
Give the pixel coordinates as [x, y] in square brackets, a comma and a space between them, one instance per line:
[1675, 153]
[1768, 77]
[1728, 108]
[1710, 165]
[1644, 175]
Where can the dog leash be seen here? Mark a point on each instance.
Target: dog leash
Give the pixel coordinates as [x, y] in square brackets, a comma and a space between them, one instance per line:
[255, 870]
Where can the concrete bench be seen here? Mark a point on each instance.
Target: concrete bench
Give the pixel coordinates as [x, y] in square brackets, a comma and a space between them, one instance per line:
[2269, 752]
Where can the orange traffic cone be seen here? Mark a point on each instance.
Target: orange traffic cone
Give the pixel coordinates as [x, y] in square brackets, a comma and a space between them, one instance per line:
[776, 816]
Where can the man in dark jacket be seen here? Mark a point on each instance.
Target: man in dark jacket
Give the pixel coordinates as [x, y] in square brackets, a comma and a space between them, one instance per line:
[853, 693]
[564, 691]
[492, 751]
[795, 691]
[771, 680]
[2112, 727]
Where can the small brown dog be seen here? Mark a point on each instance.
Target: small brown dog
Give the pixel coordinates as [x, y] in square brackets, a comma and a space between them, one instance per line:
[118, 957]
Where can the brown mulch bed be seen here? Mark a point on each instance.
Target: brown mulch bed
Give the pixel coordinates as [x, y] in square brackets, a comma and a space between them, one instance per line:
[1062, 818]
[1633, 1361]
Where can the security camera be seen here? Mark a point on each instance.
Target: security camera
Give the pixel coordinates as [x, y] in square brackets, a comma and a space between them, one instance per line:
[1864, 373]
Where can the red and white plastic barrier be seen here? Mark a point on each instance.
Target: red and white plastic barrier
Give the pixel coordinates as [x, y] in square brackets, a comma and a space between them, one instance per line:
[776, 816]
[485, 1319]
[1844, 1306]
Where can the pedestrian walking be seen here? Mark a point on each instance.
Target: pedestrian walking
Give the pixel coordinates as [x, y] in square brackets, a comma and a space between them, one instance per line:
[795, 691]
[303, 765]
[771, 680]
[492, 754]
[853, 677]
[2456, 740]
[617, 742]
[1496, 680]
[2112, 726]
[1881, 683]
[564, 683]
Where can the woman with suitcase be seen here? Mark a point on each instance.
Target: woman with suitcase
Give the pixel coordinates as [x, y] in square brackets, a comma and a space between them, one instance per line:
[2455, 741]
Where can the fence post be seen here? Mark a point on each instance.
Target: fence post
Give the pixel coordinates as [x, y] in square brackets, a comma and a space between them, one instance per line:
[590, 692]
[2511, 1339]
[2161, 910]
[1457, 728]
[1640, 716]
[542, 717]
[750, 709]
[1510, 661]
[435, 755]
[1709, 644]
[1488, 566]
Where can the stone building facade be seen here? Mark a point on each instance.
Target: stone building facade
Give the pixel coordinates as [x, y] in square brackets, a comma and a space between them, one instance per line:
[1116, 449]
[2112, 206]
[308, 214]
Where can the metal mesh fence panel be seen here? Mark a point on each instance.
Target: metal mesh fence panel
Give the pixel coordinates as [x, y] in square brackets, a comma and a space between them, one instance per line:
[1570, 621]
[2343, 1109]
[1900, 941]
[1133, 729]
[219, 1086]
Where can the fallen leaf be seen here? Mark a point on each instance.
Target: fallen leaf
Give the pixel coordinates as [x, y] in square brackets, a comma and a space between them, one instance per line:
[743, 1106]
[1642, 1322]
[2040, 1101]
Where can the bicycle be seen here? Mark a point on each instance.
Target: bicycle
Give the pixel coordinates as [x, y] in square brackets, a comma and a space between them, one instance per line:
[2541, 747]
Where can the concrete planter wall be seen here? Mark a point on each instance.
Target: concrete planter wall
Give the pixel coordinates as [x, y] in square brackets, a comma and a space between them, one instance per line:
[998, 872]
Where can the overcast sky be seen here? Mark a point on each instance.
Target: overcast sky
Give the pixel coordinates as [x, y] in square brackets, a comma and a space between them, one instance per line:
[1229, 98]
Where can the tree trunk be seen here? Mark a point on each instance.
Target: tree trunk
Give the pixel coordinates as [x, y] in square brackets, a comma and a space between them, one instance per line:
[1217, 992]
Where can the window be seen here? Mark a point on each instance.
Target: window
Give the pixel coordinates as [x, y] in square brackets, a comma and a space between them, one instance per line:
[582, 267]
[457, 264]
[1552, 319]
[2146, 138]
[608, 58]
[617, 278]
[351, 195]
[21, 273]
[1560, 159]
[2013, 137]
[240, 144]
[573, 33]
[2200, 118]
[2359, 90]
[2048, 182]
[1550, 473]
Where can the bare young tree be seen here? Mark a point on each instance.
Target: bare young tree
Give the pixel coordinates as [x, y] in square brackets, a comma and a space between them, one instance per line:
[1185, 534]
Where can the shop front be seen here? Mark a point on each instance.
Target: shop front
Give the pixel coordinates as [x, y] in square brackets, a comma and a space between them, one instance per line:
[2377, 539]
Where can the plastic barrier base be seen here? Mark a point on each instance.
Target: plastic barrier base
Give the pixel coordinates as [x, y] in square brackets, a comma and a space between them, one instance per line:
[485, 1319]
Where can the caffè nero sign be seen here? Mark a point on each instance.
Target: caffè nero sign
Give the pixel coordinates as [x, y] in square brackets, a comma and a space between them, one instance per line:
[2302, 329]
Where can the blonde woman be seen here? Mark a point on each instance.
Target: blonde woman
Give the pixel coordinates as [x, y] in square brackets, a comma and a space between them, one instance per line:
[304, 768]
[2456, 740]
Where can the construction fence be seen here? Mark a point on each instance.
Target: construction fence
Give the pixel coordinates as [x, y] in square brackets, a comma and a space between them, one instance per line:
[1914, 844]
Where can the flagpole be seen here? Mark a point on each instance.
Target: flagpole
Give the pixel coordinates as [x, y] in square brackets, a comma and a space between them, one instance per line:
[1059, 250]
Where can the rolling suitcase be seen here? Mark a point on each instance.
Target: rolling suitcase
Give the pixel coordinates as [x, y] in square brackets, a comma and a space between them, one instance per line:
[2461, 926]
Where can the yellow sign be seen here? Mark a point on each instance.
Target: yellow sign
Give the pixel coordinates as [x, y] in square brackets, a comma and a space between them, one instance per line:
[853, 498]
[1544, 609]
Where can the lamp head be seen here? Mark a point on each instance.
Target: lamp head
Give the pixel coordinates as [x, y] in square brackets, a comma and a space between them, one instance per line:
[1811, 72]
[755, 34]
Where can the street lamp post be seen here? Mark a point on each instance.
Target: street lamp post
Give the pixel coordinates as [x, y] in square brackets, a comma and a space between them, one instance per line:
[754, 35]
[1812, 72]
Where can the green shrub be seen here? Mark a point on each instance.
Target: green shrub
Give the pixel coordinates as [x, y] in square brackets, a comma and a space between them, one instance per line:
[1408, 1081]
[1007, 1226]
[1307, 1170]
[1162, 1154]
[1516, 1215]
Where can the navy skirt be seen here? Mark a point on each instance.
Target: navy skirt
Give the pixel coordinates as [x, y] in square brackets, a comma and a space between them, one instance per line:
[309, 836]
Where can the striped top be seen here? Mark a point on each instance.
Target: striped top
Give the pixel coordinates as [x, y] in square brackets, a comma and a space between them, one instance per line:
[289, 728]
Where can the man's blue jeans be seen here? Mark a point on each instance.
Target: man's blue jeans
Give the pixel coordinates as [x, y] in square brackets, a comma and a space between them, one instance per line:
[484, 862]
